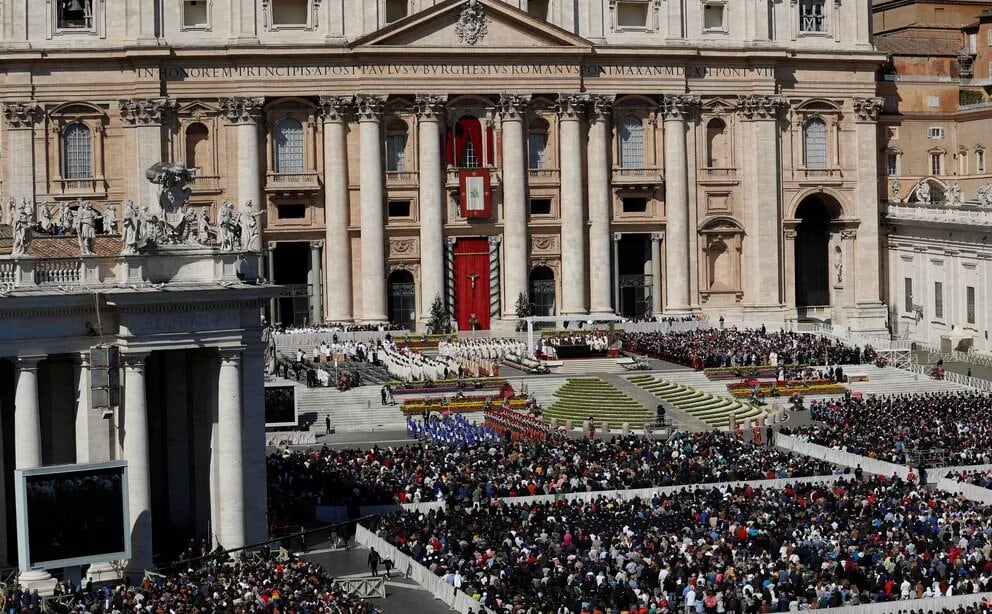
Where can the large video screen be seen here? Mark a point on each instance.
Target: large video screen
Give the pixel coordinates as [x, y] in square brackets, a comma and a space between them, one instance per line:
[280, 406]
[73, 515]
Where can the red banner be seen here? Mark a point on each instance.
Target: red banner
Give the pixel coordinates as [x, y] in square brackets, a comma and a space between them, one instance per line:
[476, 193]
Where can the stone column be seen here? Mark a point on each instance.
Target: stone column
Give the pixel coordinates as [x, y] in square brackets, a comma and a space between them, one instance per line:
[656, 287]
[137, 456]
[600, 200]
[231, 499]
[762, 173]
[253, 454]
[430, 108]
[677, 112]
[513, 109]
[373, 216]
[20, 118]
[789, 255]
[316, 275]
[27, 442]
[867, 274]
[573, 210]
[144, 117]
[244, 116]
[616, 270]
[81, 367]
[337, 199]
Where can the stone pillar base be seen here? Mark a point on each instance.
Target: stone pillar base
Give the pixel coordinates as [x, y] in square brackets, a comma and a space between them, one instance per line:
[866, 318]
[38, 579]
[104, 572]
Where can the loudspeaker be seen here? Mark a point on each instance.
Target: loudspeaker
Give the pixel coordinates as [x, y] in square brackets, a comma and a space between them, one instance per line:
[104, 377]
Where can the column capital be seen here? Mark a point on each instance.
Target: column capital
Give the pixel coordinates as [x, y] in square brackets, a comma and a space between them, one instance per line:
[679, 107]
[571, 106]
[242, 109]
[494, 241]
[849, 234]
[29, 362]
[451, 241]
[21, 115]
[658, 237]
[230, 356]
[315, 245]
[145, 111]
[761, 107]
[135, 361]
[336, 108]
[513, 106]
[617, 236]
[789, 234]
[430, 107]
[866, 110]
[81, 359]
[601, 106]
[369, 107]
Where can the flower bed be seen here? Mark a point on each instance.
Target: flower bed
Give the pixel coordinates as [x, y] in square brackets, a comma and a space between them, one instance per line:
[813, 387]
[448, 385]
[758, 372]
[417, 406]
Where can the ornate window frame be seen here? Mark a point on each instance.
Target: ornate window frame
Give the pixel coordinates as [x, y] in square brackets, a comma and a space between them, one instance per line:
[981, 158]
[652, 21]
[828, 112]
[207, 27]
[95, 120]
[726, 231]
[724, 27]
[200, 113]
[98, 26]
[312, 22]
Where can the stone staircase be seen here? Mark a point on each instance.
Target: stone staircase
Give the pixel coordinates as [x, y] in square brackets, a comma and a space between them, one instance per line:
[584, 366]
[357, 410]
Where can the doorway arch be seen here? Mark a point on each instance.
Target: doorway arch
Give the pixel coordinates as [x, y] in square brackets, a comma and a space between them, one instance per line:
[402, 299]
[816, 214]
[542, 291]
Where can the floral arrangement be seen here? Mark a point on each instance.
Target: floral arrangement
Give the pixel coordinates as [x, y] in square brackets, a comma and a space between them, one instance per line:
[809, 387]
[448, 385]
[417, 406]
[756, 372]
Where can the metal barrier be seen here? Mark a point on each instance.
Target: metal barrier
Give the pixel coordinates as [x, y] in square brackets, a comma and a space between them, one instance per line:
[366, 588]
[955, 378]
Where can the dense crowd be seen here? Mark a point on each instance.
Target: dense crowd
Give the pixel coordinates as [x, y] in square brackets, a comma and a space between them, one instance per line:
[508, 469]
[737, 550]
[978, 478]
[331, 327]
[263, 583]
[707, 348]
[956, 426]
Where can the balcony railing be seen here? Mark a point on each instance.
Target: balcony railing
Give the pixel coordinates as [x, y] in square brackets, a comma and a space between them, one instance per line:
[402, 178]
[452, 179]
[276, 182]
[58, 272]
[81, 187]
[819, 175]
[637, 177]
[718, 175]
[543, 176]
[206, 184]
[966, 215]
[8, 274]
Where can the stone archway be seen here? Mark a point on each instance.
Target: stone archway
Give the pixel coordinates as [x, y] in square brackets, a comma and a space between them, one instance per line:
[542, 291]
[402, 292]
[816, 214]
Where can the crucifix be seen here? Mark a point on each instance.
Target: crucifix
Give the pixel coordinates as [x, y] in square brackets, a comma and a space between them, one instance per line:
[472, 277]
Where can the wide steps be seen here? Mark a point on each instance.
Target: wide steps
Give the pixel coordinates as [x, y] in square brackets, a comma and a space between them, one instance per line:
[711, 409]
[581, 398]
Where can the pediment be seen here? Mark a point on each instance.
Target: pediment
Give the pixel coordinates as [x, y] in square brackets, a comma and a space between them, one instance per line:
[455, 24]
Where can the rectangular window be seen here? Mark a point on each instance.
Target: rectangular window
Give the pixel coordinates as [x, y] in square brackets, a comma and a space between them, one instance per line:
[980, 161]
[936, 164]
[537, 150]
[399, 208]
[935, 133]
[632, 14]
[74, 14]
[890, 103]
[540, 206]
[291, 212]
[395, 10]
[908, 294]
[396, 152]
[892, 163]
[290, 12]
[973, 42]
[938, 300]
[970, 304]
[933, 101]
[195, 15]
[988, 33]
[713, 17]
[812, 16]
[637, 204]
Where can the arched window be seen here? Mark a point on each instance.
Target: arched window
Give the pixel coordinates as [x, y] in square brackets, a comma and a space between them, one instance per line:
[289, 146]
[465, 148]
[198, 154]
[815, 143]
[716, 144]
[396, 137]
[77, 152]
[537, 144]
[542, 291]
[631, 142]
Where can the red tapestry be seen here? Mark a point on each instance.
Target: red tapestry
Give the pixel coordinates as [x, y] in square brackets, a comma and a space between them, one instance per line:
[472, 283]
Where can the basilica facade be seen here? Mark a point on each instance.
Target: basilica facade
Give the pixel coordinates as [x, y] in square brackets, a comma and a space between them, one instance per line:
[636, 157]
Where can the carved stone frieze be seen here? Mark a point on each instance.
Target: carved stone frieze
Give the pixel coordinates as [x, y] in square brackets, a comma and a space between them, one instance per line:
[679, 106]
[544, 244]
[571, 106]
[404, 248]
[336, 108]
[867, 109]
[368, 107]
[761, 107]
[430, 106]
[145, 111]
[242, 110]
[19, 115]
[513, 106]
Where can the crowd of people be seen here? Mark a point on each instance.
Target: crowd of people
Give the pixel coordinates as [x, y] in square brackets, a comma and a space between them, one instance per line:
[978, 478]
[427, 472]
[333, 327]
[258, 583]
[733, 347]
[597, 342]
[743, 549]
[494, 349]
[956, 426]
[450, 431]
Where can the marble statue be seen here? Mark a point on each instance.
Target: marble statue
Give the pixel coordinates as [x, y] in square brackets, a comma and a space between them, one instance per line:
[85, 227]
[203, 226]
[896, 191]
[984, 195]
[923, 192]
[248, 219]
[131, 230]
[839, 264]
[174, 180]
[21, 220]
[227, 227]
[45, 218]
[66, 218]
[110, 220]
[953, 196]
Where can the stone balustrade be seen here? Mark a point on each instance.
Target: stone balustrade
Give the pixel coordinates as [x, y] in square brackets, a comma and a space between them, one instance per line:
[966, 214]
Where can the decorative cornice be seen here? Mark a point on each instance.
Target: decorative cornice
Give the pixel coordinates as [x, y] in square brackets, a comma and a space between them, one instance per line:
[601, 106]
[760, 106]
[145, 111]
[369, 107]
[513, 106]
[336, 108]
[571, 106]
[242, 110]
[21, 115]
[867, 109]
[430, 106]
[679, 106]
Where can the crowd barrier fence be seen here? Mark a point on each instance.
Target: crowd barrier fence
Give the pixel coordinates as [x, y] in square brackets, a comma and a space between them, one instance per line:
[838, 457]
[290, 438]
[333, 514]
[307, 341]
[955, 378]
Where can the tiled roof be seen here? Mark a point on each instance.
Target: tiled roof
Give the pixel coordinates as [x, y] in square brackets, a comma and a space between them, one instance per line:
[905, 45]
[60, 247]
